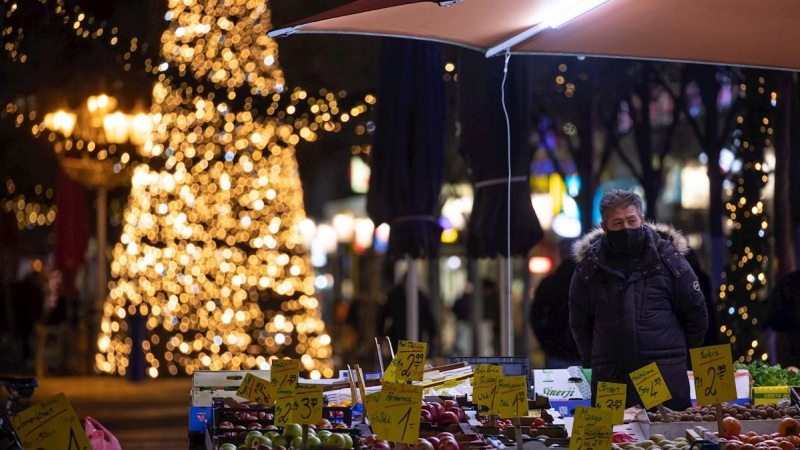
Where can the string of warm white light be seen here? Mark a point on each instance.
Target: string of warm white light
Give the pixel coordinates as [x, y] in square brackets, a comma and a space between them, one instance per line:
[745, 278]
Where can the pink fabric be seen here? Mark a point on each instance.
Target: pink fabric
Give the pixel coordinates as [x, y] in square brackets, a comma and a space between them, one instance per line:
[99, 437]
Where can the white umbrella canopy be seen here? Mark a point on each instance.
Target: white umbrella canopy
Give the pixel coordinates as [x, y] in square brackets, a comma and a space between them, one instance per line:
[762, 33]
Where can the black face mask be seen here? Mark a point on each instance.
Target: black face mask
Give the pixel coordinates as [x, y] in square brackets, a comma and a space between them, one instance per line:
[626, 239]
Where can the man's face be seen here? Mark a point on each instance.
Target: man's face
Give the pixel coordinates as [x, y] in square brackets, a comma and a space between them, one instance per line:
[621, 218]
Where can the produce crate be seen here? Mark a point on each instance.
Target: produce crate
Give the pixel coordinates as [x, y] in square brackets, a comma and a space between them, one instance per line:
[512, 365]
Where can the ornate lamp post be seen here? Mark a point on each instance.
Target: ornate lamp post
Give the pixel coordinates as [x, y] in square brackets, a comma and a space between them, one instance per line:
[96, 146]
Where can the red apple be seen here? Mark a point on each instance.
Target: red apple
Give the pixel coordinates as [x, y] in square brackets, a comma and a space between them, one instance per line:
[458, 411]
[262, 447]
[448, 417]
[448, 444]
[253, 426]
[225, 424]
[423, 444]
[434, 440]
[445, 434]
[379, 445]
[279, 447]
[339, 425]
[449, 404]
[425, 416]
[437, 410]
[539, 422]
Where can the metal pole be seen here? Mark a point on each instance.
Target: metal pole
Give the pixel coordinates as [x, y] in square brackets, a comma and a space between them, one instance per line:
[412, 301]
[476, 311]
[102, 240]
[506, 322]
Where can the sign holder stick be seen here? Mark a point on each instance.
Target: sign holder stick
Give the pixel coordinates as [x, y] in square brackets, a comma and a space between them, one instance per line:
[718, 410]
[305, 435]
[518, 431]
[663, 411]
[380, 354]
[391, 349]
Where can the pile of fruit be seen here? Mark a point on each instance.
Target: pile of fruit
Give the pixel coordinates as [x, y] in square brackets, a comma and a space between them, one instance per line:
[656, 442]
[739, 412]
[292, 438]
[441, 414]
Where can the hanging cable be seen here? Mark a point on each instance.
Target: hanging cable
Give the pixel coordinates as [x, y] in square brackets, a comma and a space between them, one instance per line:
[508, 199]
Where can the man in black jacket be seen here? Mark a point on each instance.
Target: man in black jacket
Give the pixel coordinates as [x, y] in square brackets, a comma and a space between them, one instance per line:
[634, 299]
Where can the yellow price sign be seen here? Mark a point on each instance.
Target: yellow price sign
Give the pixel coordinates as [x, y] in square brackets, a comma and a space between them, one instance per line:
[51, 424]
[307, 408]
[372, 403]
[256, 390]
[408, 363]
[484, 374]
[398, 416]
[611, 397]
[650, 385]
[591, 429]
[511, 398]
[284, 375]
[712, 368]
[284, 409]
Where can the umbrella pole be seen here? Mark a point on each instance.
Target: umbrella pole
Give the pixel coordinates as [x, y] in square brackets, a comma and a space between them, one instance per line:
[412, 301]
[506, 323]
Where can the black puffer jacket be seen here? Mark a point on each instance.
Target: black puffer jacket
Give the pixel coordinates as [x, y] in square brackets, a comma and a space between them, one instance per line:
[654, 314]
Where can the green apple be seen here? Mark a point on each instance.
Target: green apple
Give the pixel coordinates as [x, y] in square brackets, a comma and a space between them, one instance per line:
[323, 434]
[313, 442]
[348, 440]
[280, 440]
[227, 446]
[335, 440]
[272, 434]
[248, 441]
[297, 442]
[292, 430]
[261, 440]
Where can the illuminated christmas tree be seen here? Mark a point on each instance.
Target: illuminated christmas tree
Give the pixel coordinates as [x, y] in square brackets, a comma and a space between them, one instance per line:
[211, 254]
[742, 295]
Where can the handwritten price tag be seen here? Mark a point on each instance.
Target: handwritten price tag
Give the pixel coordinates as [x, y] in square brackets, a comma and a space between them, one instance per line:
[372, 403]
[485, 387]
[485, 374]
[408, 363]
[650, 385]
[284, 409]
[284, 374]
[256, 390]
[307, 408]
[51, 424]
[712, 368]
[397, 419]
[591, 429]
[611, 397]
[512, 396]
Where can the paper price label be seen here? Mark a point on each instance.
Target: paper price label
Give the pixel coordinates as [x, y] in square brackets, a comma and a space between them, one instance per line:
[398, 416]
[486, 374]
[256, 390]
[408, 363]
[284, 375]
[512, 396]
[650, 385]
[284, 409]
[372, 403]
[611, 397]
[712, 368]
[307, 408]
[591, 429]
[51, 425]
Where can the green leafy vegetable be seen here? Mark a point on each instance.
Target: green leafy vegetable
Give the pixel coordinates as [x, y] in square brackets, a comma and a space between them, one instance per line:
[765, 375]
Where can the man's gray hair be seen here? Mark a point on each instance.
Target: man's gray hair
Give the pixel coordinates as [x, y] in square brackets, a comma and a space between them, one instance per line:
[620, 198]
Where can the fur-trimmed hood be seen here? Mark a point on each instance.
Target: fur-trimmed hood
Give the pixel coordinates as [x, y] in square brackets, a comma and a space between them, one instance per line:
[666, 231]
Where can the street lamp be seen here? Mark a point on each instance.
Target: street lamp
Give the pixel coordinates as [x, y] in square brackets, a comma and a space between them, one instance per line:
[96, 146]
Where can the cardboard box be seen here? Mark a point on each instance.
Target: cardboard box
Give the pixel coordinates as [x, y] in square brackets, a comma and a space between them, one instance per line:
[764, 395]
[564, 388]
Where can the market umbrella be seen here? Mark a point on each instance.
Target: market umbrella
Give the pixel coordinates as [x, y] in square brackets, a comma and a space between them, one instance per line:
[736, 32]
[503, 222]
[407, 160]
